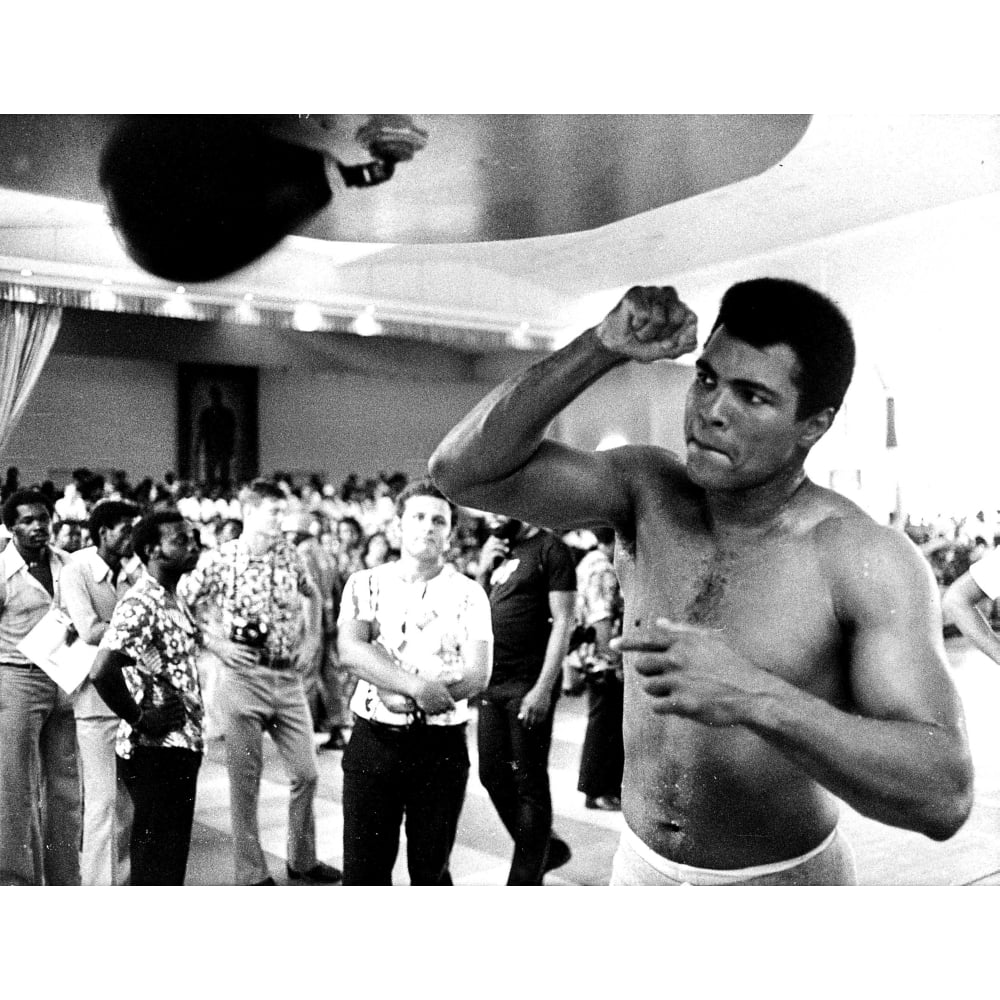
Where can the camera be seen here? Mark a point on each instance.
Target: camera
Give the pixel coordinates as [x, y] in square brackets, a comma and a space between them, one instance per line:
[249, 632]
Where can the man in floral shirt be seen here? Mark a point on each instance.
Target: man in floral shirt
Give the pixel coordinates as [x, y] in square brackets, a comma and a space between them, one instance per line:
[251, 591]
[147, 674]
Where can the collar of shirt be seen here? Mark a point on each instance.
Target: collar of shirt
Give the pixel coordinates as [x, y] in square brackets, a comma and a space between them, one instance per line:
[13, 561]
[99, 569]
[159, 593]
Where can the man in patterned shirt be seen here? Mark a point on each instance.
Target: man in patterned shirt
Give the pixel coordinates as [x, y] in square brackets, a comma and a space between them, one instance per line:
[418, 634]
[146, 672]
[254, 587]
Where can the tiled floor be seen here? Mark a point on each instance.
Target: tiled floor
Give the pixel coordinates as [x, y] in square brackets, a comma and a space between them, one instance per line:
[885, 856]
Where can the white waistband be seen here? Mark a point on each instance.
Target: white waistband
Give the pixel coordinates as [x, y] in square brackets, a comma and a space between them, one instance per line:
[715, 876]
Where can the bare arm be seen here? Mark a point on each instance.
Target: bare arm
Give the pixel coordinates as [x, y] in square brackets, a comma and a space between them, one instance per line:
[154, 721]
[497, 457]
[477, 667]
[961, 601]
[902, 755]
[537, 703]
[372, 663]
[312, 609]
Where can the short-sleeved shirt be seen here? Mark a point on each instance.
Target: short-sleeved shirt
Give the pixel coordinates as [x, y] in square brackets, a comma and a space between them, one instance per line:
[519, 600]
[23, 600]
[425, 626]
[986, 573]
[259, 589]
[163, 642]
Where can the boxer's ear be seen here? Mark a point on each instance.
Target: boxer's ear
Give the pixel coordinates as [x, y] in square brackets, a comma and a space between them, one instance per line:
[815, 426]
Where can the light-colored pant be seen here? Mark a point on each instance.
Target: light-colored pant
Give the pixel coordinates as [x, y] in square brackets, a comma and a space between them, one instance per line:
[831, 863]
[107, 807]
[251, 701]
[39, 781]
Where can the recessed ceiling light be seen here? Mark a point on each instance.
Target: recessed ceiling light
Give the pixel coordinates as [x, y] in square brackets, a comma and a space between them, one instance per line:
[307, 317]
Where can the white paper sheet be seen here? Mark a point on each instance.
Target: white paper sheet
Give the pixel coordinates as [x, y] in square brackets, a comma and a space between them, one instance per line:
[68, 664]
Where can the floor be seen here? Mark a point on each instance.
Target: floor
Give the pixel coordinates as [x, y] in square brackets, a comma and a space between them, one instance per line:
[885, 856]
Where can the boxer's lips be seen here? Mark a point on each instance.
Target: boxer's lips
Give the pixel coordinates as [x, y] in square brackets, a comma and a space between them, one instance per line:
[696, 447]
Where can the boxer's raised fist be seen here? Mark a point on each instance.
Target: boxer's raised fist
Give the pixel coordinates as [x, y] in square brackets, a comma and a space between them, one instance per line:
[649, 324]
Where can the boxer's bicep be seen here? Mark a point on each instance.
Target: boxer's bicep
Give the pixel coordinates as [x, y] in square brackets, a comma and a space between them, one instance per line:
[896, 658]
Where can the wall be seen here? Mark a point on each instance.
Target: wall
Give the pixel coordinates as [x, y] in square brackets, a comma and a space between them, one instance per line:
[336, 423]
[104, 413]
[643, 404]
[107, 397]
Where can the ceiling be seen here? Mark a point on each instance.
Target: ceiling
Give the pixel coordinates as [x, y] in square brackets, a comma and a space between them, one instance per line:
[845, 172]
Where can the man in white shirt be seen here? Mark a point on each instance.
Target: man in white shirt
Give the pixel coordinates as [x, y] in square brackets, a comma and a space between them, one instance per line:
[39, 781]
[94, 582]
[418, 635]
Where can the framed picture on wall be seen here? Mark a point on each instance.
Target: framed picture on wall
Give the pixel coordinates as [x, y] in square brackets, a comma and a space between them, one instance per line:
[217, 440]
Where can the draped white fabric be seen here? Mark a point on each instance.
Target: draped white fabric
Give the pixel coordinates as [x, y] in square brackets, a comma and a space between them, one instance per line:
[27, 333]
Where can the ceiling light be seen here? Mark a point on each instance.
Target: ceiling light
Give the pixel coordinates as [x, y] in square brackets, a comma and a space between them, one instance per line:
[519, 335]
[612, 440]
[365, 324]
[307, 317]
[103, 298]
[178, 307]
[245, 313]
[26, 272]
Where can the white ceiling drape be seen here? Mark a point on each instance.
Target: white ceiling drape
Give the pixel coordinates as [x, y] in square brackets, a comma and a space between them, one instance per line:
[27, 333]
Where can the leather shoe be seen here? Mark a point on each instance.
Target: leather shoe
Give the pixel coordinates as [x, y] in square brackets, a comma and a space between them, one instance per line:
[558, 854]
[319, 874]
[609, 803]
[266, 881]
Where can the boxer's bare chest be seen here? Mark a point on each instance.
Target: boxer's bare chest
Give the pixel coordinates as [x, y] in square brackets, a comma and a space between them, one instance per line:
[766, 589]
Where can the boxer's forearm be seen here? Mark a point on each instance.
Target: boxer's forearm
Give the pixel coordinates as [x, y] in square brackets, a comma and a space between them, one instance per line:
[915, 775]
[504, 430]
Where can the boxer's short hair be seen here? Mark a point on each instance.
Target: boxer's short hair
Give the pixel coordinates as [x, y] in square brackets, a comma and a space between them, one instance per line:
[767, 311]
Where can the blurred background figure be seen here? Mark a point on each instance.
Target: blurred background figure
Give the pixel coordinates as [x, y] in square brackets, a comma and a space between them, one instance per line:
[601, 613]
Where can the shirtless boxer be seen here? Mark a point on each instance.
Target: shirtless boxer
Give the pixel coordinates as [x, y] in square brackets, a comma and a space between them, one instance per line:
[781, 648]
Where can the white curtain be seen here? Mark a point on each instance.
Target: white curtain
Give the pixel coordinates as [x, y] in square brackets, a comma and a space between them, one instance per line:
[27, 333]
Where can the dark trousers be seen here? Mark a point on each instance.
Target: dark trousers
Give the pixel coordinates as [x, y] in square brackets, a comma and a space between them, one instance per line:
[603, 756]
[418, 773]
[162, 782]
[514, 770]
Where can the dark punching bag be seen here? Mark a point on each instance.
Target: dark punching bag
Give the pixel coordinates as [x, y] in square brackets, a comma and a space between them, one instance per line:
[195, 197]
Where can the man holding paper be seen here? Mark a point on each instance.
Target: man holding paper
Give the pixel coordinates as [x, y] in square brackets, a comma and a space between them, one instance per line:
[39, 780]
[94, 582]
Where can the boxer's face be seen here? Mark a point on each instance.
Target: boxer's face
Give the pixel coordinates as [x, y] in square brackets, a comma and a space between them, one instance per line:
[740, 423]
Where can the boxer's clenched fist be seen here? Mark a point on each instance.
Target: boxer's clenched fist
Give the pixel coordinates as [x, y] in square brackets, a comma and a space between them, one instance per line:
[649, 324]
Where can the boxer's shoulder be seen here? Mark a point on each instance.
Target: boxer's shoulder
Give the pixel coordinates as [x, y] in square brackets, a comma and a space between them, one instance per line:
[865, 559]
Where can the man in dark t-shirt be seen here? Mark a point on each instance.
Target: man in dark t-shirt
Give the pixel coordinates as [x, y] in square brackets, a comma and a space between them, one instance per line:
[531, 580]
